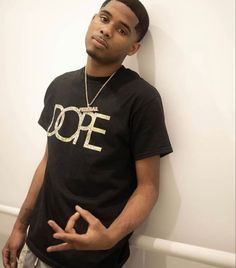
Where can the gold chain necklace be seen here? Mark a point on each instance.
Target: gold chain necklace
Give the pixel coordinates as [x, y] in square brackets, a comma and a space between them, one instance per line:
[89, 108]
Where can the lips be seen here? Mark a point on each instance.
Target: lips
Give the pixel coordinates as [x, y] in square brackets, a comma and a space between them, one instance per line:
[100, 40]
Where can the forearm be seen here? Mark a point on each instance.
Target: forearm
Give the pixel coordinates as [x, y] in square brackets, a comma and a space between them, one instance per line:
[134, 213]
[25, 213]
[98, 237]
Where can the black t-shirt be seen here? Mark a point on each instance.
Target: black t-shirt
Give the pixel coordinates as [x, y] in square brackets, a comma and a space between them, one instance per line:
[91, 158]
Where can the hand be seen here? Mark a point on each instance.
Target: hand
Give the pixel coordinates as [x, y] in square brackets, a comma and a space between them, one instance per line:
[12, 248]
[96, 238]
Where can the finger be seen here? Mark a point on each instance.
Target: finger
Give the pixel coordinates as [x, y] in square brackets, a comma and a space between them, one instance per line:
[76, 241]
[55, 227]
[86, 215]
[13, 262]
[71, 223]
[73, 231]
[60, 247]
[6, 258]
[70, 238]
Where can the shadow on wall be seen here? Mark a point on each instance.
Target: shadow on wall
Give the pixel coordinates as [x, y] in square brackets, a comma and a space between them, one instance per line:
[162, 220]
[146, 59]
[160, 223]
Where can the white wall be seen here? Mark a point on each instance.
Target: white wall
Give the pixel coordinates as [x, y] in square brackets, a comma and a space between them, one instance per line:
[188, 55]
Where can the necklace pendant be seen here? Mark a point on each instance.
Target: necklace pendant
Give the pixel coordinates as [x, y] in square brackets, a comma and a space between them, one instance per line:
[89, 109]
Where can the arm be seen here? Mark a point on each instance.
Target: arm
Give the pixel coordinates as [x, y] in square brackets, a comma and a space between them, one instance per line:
[98, 237]
[23, 218]
[17, 238]
[142, 200]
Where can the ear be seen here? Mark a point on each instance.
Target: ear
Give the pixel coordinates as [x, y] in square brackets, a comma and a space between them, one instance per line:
[134, 48]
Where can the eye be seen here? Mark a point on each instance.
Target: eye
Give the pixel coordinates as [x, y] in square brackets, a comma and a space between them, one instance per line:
[122, 31]
[104, 18]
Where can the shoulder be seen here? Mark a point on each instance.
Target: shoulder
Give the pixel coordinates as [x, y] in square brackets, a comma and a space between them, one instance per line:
[67, 77]
[62, 82]
[138, 88]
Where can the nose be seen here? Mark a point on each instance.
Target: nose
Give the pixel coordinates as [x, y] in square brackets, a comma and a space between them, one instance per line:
[106, 31]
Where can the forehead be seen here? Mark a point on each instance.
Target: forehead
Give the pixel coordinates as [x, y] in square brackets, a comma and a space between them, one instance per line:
[121, 12]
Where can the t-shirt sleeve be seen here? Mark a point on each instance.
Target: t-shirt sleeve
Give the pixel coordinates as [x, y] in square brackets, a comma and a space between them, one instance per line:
[149, 135]
[47, 112]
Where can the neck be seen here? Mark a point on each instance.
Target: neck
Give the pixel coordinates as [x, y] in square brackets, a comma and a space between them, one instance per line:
[98, 69]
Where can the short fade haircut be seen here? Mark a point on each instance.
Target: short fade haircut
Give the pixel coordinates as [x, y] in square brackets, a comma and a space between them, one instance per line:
[141, 13]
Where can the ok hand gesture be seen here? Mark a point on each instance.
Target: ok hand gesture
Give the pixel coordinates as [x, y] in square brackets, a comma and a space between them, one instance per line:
[97, 236]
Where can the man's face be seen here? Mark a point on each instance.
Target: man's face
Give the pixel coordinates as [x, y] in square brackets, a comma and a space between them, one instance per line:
[111, 35]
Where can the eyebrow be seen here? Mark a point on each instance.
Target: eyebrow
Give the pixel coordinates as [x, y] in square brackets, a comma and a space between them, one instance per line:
[121, 22]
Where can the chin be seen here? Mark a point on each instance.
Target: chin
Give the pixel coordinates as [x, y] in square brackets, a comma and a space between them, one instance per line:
[92, 53]
[102, 58]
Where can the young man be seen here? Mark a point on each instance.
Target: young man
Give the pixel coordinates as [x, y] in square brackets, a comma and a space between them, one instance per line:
[98, 179]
